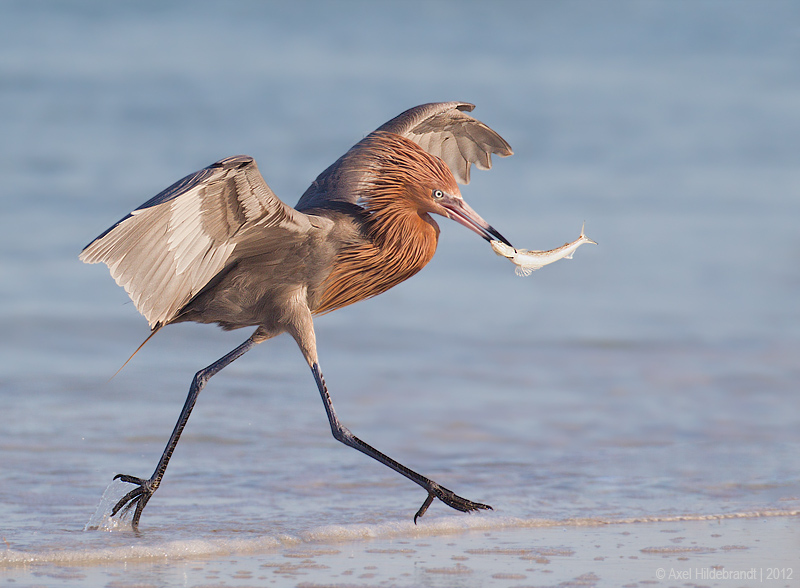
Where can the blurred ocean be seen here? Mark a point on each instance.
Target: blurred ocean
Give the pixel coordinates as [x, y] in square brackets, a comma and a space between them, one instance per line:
[653, 377]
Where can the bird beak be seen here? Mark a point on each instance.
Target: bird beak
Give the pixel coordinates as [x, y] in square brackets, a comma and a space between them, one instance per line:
[462, 213]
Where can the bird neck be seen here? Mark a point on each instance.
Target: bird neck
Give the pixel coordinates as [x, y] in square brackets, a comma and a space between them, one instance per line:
[399, 241]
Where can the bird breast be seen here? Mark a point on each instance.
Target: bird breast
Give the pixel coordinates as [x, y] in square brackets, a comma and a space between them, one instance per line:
[394, 246]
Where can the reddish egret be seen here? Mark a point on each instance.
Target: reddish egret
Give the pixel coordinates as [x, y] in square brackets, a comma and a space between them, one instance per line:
[219, 247]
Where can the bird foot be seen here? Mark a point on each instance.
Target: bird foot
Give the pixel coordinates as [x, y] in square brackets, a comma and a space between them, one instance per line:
[137, 497]
[451, 499]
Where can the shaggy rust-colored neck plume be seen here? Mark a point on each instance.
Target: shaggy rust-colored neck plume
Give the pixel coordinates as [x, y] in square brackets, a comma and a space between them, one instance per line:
[400, 235]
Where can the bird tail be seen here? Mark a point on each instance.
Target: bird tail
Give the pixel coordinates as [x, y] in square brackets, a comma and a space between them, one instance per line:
[127, 361]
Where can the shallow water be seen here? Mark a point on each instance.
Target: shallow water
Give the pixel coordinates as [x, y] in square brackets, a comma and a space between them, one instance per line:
[649, 384]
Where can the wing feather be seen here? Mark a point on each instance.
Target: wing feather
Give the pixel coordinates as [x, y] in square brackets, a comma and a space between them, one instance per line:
[435, 126]
[165, 252]
[443, 129]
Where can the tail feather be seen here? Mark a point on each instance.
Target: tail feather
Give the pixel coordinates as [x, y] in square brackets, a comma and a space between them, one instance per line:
[156, 330]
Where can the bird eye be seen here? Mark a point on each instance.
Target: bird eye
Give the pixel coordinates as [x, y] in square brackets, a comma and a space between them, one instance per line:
[438, 194]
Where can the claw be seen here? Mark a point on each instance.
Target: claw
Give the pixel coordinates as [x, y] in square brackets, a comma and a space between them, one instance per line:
[138, 496]
[424, 507]
[451, 499]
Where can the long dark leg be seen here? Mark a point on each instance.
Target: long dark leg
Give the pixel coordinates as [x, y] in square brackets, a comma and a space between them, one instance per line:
[145, 488]
[343, 434]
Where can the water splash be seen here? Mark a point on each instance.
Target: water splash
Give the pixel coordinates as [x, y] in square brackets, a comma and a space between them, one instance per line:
[102, 520]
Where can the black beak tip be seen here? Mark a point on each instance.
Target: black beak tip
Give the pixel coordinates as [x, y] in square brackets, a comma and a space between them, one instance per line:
[494, 235]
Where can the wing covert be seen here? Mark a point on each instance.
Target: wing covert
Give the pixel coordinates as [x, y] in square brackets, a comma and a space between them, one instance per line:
[443, 129]
[164, 252]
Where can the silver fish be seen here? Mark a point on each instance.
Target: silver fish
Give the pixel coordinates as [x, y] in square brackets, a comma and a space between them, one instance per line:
[528, 260]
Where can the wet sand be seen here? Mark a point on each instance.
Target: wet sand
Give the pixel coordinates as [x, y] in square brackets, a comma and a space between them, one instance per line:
[745, 550]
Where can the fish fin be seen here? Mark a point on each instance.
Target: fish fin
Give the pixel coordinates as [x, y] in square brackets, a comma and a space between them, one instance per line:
[584, 237]
[522, 271]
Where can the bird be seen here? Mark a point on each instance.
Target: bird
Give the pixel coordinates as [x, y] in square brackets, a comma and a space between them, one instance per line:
[219, 247]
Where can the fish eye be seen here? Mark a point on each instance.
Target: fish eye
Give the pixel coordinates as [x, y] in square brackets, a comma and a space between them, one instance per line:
[438, 194]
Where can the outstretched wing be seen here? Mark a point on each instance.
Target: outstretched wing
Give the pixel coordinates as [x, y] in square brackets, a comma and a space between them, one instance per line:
[164, 252]
[443, 129]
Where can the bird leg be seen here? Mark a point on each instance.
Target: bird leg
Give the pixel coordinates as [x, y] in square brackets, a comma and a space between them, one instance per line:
[343, 434]
[139, 496]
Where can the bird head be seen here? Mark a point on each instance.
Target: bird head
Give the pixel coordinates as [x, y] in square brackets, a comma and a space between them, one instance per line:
[454, 207]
